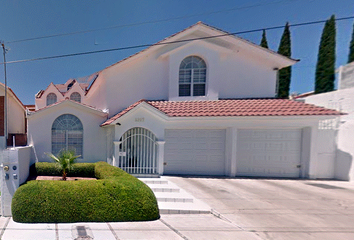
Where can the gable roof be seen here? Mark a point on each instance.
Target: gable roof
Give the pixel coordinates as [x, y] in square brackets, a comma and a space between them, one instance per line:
[220, 33]
[13, 94]
[231, 108]
[71, 102]
[84, 83]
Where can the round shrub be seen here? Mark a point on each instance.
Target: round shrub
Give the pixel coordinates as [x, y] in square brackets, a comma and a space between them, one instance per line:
[116, 196]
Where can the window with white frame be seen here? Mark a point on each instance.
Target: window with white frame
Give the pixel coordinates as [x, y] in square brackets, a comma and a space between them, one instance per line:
[75, 96]
[67, 134]
[51, 98]
[192, 77]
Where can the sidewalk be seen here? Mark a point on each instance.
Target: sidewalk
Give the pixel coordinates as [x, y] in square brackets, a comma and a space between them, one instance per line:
[170, 226]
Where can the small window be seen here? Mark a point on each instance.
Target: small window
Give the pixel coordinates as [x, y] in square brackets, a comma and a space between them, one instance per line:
[192, 77]
[75, 97]
[51, 98]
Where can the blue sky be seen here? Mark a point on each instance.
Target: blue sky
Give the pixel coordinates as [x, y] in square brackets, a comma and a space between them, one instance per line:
[29, 19]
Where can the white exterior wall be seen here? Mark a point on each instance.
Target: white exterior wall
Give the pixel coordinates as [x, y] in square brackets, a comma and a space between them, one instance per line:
[346, 76]
[94, 137]
[336, 137]
[157, 123]
[127, 83]
[154, 76]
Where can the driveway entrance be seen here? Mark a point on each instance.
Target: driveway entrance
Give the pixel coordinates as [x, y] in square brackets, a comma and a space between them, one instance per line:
[278, 209]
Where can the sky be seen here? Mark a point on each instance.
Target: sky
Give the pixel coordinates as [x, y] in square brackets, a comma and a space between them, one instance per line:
[104, 24]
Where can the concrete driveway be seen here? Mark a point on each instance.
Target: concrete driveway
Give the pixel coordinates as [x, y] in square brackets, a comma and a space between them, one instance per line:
[269, 209]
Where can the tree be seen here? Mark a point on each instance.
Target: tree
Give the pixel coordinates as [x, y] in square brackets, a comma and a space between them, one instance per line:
[325, 68]
[264, 42]
[65, 159]
[284, 74]
[351, 49]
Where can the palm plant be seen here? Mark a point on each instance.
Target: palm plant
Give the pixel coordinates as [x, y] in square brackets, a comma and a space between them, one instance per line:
[65, 159]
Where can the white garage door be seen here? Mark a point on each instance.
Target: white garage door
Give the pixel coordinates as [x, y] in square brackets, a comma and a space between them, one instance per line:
[268, 153]
[195, 152]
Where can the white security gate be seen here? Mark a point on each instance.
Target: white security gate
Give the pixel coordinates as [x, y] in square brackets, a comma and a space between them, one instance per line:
[138, 152]
[269, 152]
[195, 151]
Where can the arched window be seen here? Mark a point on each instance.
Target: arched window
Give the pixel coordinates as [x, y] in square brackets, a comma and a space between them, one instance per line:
[67, 134]
[192, 77]
[75, 96]
[51, 98]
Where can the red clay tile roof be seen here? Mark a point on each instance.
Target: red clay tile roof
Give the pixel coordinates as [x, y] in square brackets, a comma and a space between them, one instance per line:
[112, 119]
[231, 108]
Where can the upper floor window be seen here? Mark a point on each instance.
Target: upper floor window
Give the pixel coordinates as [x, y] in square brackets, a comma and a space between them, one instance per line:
[75, 96]
[51, 98]
[192, 77]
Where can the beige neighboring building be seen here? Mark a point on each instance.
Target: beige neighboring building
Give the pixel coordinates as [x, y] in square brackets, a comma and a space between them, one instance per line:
[16, 121]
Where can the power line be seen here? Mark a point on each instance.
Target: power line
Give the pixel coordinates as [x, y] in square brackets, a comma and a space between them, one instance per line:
[150, 22]
[172, 42]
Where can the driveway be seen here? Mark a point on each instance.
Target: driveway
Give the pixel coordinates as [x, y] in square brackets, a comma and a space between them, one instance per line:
[269, 209]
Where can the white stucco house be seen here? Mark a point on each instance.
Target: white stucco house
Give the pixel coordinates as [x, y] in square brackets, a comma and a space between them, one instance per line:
[201, 107]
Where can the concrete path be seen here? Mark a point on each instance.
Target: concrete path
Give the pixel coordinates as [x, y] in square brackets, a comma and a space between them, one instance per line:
[242, 209]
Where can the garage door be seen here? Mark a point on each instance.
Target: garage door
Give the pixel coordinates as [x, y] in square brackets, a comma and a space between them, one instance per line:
[268, 153]
[195, 152]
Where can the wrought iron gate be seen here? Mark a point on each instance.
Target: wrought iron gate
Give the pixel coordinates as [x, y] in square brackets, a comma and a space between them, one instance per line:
[138, 152]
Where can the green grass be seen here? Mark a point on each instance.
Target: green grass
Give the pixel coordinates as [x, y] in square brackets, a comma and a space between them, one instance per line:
[116, 196]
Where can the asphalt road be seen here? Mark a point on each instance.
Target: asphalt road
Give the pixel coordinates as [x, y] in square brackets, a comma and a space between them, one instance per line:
[272, 208]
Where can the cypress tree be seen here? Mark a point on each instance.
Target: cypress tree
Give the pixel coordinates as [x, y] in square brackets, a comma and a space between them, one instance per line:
[284, 74]
[325, 68]
[264, 42]
[351, 49]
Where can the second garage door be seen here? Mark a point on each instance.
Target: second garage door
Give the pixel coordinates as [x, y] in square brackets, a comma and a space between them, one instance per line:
[195, 151]
[268, 152]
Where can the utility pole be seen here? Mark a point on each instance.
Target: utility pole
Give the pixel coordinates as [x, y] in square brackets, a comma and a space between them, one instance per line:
[5, 100]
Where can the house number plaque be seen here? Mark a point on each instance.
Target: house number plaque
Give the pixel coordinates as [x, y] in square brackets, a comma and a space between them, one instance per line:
[139, 119]
[122, 154]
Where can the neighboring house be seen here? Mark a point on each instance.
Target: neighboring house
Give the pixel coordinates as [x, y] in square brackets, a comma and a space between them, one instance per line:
[16, 119]
[209, 109]
[335, 144]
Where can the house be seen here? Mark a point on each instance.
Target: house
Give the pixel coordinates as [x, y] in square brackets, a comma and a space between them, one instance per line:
[336, 136]
[15, 127]
[204, 106]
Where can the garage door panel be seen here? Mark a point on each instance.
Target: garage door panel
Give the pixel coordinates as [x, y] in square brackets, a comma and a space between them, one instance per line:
[268, 152]
[204, 149]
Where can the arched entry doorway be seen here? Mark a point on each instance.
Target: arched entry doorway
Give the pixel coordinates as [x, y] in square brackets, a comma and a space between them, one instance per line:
[138, 151]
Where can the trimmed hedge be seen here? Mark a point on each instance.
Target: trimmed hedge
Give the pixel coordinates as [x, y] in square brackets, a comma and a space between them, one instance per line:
[53, 169]
[116, 196]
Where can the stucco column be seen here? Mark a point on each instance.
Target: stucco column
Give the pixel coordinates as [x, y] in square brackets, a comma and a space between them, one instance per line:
[313, 158]
[160, 158]
[116, 153]
[230, 152]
